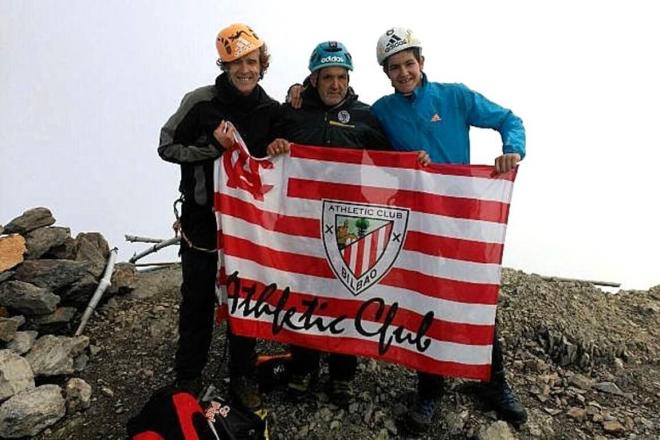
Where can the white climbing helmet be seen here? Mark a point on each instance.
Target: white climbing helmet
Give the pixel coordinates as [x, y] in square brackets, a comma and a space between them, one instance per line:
[395, 40]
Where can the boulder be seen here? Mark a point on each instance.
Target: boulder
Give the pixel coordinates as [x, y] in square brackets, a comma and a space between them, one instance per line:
[54, 355]
[30, 412]
[97, 240]
[8, 328]
[88, 251]
[156, 281]
[29, 221]
[80, 292]
[124, 279]
[65, 251]
[42, 240]
[22, 342]
[28, 298]
[4, 276]
[15, 374]
[12, 249]
[57, 322]
[51, 274]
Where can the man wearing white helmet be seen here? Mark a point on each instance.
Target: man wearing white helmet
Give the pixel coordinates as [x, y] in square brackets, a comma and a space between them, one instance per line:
[437, 117]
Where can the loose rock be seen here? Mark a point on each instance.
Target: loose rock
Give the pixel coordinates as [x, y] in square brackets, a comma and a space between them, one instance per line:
[51, 274]
[32, 411]
[15, 374]
[22, 342]
[496, 431]
[41, 240]
[78, 395]
[12, 249]
[8, 327]
[30, 220]
[28, 298]
[54, 355]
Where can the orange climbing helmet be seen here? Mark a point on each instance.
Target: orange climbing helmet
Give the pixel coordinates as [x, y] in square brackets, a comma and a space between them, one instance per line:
[236, 40]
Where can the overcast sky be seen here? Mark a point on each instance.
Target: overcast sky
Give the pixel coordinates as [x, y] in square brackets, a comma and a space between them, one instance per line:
[86, 85]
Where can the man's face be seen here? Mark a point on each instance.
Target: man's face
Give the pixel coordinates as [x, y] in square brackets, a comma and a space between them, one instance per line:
[332, 85]
[244, 72]
[404, 71]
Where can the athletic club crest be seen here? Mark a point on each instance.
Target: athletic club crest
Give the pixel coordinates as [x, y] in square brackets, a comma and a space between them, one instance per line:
[362, 241]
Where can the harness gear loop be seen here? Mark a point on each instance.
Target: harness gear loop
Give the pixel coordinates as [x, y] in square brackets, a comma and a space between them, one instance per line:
[178, 229]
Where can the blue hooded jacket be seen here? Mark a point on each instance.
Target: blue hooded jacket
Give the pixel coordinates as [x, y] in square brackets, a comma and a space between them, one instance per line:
[437, 118]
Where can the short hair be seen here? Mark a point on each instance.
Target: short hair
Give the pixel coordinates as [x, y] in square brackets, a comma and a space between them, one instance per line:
[264, 61]
[417, 53]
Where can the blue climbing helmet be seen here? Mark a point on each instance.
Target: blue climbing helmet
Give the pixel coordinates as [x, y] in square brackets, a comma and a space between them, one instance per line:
[330, 54]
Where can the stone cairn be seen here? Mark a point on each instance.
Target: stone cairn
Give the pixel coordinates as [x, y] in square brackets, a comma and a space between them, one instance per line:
[46, 280]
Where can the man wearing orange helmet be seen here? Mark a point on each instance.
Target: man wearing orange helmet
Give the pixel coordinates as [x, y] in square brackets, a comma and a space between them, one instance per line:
[193, 138]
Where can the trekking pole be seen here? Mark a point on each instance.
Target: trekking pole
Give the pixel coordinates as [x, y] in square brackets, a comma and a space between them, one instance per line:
[137, 238]
[154, 248]
[96, 297]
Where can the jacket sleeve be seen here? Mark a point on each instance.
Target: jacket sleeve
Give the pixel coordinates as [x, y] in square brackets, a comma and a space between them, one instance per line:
[483, 113]
[181, 138]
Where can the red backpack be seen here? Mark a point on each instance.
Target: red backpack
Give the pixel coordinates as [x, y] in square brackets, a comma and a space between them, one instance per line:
[170, 414]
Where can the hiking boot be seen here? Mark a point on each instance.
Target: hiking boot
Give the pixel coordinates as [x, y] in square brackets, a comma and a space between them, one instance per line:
[341, 392]
[244, 390]
[193, 385]
[501, 397]
[419, 418]
[299, 385]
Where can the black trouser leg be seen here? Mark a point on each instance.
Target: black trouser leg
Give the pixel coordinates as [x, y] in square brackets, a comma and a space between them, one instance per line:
[195, 312]
[242, 355]
[497, 361]
[304, 360]
[430, 386]
[342, 366]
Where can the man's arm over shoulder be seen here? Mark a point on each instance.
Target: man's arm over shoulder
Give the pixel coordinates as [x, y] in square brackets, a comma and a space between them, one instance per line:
[484, 113]
[181, 138]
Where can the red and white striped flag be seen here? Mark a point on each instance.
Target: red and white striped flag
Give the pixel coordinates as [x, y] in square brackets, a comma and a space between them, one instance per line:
[364, 252]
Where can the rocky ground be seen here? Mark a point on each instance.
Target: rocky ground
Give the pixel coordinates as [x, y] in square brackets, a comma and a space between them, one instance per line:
[585, 363]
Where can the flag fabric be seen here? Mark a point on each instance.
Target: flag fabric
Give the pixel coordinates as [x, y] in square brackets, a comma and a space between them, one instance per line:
[364, 252]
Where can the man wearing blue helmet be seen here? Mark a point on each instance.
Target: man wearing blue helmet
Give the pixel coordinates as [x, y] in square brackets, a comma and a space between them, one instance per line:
[332, 116]
[331, 113]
